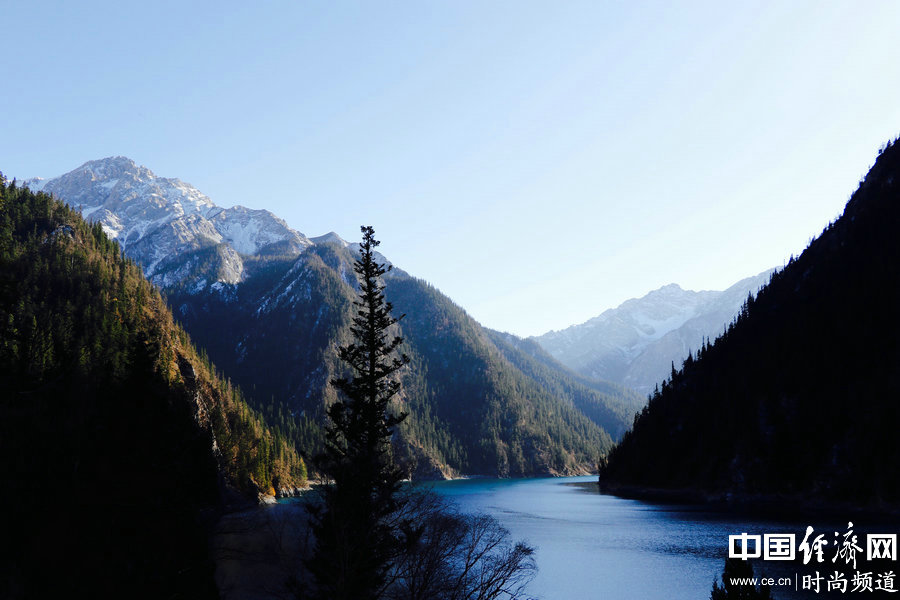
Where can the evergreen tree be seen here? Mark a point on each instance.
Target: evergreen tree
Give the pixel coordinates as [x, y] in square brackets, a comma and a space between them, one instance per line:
[355, 541]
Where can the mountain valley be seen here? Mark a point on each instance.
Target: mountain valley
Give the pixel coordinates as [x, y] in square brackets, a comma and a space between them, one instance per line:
[271, 306]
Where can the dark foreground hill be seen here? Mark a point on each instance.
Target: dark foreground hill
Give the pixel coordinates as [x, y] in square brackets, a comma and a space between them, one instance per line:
[801, 396]
[118, 443]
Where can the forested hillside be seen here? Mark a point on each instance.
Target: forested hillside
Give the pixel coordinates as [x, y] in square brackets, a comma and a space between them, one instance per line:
[800, 395]
[473, 407]
[112, 427]
[468, 388]
[608, 405]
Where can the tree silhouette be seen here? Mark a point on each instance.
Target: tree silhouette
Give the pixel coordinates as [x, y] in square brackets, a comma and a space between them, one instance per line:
[356, 540]
[457, 556]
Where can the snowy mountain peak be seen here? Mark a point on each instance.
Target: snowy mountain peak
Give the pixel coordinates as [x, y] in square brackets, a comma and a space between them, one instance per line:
[160, 221]
[114, 166]
[656, 312]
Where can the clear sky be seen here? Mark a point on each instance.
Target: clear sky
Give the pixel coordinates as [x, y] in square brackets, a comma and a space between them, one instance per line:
[538, 162]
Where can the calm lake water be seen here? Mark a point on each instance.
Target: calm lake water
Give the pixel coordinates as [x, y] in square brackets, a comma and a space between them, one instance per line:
[598, 546]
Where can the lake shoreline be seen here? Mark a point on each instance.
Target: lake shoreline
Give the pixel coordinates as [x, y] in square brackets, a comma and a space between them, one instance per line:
[772, 504]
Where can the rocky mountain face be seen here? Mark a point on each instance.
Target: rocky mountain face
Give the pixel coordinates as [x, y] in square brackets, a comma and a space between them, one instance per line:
[636, 343]
[272, 306]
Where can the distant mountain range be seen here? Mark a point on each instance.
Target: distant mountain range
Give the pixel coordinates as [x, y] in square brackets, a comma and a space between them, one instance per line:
[636, 343]
[271, 305]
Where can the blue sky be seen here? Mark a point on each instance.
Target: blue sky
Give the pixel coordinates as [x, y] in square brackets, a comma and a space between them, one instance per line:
[538, 162]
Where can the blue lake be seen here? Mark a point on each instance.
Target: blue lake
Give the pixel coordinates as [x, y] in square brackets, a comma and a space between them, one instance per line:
[591, 545]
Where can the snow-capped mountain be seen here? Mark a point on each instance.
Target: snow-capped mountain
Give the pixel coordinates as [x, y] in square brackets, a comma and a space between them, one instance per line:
[636, 343]
[168, 225]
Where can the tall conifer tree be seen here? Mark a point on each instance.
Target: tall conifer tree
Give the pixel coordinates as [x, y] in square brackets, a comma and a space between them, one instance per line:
[355, 542]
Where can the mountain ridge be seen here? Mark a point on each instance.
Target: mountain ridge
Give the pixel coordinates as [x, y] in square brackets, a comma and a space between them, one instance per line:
[274, 319]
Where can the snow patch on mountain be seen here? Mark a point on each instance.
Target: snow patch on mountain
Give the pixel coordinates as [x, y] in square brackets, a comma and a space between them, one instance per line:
[281, 293]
